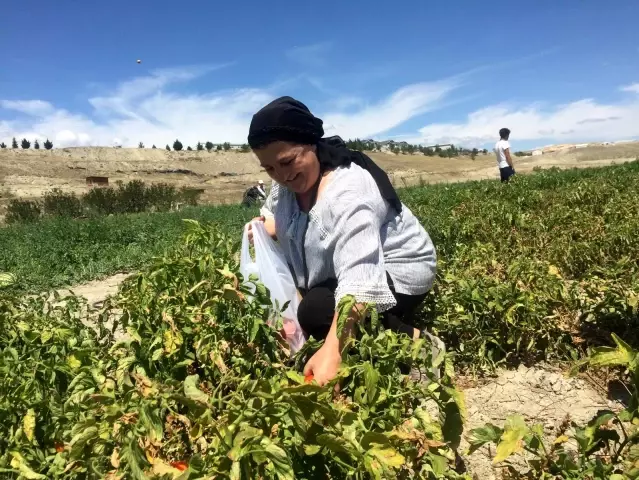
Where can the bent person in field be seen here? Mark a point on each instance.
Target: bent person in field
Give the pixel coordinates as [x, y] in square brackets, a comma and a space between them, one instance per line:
[254, 195]
[504, 160]
[343, 229]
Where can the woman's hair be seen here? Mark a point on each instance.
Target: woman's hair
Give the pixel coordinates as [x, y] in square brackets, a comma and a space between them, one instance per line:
[504, 133]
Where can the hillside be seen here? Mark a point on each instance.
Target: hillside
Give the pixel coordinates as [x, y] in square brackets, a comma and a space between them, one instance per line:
[225, 175]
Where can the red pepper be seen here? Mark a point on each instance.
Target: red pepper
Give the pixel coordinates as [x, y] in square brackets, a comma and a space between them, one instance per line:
[59, 447]
[308, 378]
[181, 466]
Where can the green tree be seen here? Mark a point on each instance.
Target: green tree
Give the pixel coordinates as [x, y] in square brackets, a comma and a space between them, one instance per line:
[218, 148]
[153, 146]
[14, 143]
[36, 145]
[209, 146]
[2, 145]
[168, 149]
[474, 153]
[140, 145]
[25, 144]
[485, 151]
[48, 145]
[199, 147]
[177, 145]
[245, 148]
[189, 148]
[226, 146]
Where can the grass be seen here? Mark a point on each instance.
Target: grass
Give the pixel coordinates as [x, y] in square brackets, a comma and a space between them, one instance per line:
[60, 251]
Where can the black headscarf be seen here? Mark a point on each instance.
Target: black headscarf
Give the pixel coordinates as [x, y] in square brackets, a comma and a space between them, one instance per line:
[289, 120]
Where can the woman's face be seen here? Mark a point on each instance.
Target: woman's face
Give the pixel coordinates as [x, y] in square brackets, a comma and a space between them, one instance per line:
[294, 166]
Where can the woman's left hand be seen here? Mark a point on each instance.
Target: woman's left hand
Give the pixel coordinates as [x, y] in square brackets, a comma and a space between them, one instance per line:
[324, 365]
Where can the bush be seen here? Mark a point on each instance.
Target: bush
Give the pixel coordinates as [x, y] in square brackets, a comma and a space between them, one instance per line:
[103, 201]
[177, 145]
[2, 145]
[36, 145]
[60, 204]
[140, 145]
[168, 149]
[218, 148]
[190, 196]
[199, 147]
[132, 197]
[23, 211]
[14, 143]
[161, 196]
[153, 147]
[25, 144]
[48, 145]
[209, 146]
[189, 148]
[245, 148]
[226, 146]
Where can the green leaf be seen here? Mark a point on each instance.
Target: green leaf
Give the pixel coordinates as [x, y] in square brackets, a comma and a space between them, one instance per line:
[512, 439]
[371, 377]
[192, 391]
[479, 437]
[388, 457]
[336, 444]
[19, 463]
[172, 341]
[311, 450]
[29, 423]
[345, 308]
[73, 362]
[80, 441]
[280, 460]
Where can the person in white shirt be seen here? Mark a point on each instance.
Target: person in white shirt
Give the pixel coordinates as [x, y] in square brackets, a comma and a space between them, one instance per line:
[504, 160]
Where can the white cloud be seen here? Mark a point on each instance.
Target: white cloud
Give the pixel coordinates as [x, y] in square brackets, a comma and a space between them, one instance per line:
[402, 105]
[145, 109]
[148, 109]
[142, 109]
[632, 88]
[29, 107]
[582, 120]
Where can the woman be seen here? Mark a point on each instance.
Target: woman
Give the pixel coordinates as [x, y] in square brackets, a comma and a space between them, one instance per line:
[342, 227]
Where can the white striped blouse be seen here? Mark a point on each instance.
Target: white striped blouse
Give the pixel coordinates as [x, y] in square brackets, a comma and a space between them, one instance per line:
[355, 237]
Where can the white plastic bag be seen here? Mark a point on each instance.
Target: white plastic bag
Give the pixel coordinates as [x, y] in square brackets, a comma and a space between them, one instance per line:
[272, 270]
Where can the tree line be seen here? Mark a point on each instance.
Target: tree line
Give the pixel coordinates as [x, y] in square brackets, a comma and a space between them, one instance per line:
[26, 144]
[445, 151]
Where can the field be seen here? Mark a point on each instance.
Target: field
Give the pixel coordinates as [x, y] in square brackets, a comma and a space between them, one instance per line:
[544, 269]
[225, 175]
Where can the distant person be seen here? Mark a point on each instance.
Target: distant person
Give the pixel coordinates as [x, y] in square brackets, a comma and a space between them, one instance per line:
[504, 160]
[254, 195]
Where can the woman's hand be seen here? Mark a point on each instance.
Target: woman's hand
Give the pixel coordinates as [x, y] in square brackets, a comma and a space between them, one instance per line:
[325, 363]
[269, 225]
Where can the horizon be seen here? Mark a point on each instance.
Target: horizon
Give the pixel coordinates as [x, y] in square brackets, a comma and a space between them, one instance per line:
[440, 74]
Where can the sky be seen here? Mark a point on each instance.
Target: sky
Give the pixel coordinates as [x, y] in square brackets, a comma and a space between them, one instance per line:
[419, 71]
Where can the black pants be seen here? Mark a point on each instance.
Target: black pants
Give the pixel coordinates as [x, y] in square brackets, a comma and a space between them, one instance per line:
[505, 173]
[317, 309]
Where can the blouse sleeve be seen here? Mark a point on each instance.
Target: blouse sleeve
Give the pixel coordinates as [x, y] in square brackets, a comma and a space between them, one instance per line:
[268, 208]
[358, 256]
